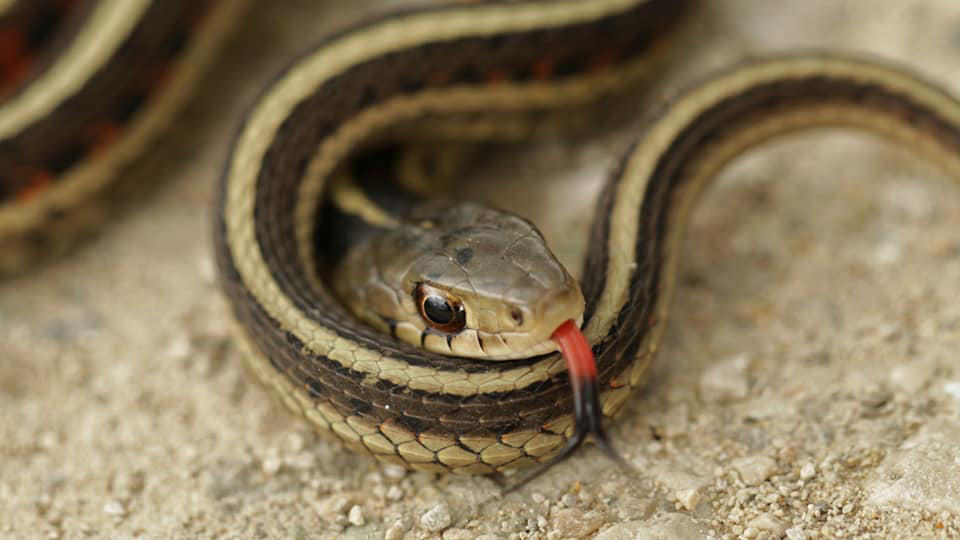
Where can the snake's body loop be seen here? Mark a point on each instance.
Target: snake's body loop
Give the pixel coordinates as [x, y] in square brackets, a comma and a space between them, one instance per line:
[438, 413]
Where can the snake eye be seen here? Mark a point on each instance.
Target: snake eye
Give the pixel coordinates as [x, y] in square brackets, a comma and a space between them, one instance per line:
[440, 310]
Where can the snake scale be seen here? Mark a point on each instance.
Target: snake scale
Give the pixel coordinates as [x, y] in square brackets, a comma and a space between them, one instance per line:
[86, 84]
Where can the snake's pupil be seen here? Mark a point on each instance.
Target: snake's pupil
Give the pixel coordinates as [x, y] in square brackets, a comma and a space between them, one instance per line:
[437, 309]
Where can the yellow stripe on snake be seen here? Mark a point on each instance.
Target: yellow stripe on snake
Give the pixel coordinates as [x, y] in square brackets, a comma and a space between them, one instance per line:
[444, 362]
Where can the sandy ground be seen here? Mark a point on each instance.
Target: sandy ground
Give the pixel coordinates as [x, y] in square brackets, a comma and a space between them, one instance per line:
[807, 387]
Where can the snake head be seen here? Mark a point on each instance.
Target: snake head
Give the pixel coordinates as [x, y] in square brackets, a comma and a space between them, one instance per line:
[461, 279]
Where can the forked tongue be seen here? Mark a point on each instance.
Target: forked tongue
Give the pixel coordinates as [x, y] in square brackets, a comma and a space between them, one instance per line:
[587, 416]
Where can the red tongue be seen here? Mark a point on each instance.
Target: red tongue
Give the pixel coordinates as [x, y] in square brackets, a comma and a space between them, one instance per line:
[587, 415]
[576, 351]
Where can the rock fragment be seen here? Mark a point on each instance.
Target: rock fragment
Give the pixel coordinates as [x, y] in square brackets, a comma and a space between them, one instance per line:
[753, 470]
[437, 518]
[666, 527]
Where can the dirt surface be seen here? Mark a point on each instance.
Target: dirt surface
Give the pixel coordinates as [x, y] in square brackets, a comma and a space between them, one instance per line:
[807, 387]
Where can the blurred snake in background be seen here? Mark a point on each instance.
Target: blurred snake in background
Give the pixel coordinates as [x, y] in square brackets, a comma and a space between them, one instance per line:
[420, 330]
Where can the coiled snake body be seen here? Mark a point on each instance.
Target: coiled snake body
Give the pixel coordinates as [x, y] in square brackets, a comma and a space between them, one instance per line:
[483, 70]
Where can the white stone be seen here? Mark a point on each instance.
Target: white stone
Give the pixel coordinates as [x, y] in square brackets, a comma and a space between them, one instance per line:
[179, 348]
[689, 498]
[396, 472]
[437, 518]
[912, 377]
[796, 533]
[766, 522]
[808, 471]
[753, 470]
[394, 493]
[395, 531]
[952, 389]
[923, 474]
[355, 516]
[114, 508]
[686, 487]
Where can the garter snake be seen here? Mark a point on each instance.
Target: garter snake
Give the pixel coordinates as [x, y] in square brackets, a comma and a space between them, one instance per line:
[485, 70]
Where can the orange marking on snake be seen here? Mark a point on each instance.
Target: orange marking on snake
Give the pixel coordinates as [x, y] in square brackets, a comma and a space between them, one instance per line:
[11, 45]
[101, 136]
[542, 69]
[15, 60]
[39, 181]
[496, 76]
[603, 59]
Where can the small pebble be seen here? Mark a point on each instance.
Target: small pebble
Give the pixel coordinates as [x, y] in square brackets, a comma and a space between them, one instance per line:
[395, 531]
[393, 471]
[766, 522]
[912, 377]
[753, 470]
[271, 465]
[569, 500]
[574, 523]
[335, 506]
[437, 518]
[394, 493]
[952, 389]
[689, 498]
[114, 508]
[179, 348]
[47, 439]
[355, 516]
[796, 533]
[887, 252]
[808, 471]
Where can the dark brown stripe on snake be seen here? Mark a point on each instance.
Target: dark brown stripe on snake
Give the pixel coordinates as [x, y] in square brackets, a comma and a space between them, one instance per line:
[92, 118]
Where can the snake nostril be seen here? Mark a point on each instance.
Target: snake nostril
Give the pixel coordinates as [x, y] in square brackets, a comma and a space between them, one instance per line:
[517, 315]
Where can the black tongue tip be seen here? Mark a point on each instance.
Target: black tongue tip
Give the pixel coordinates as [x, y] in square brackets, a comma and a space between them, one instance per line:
[587, 422]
